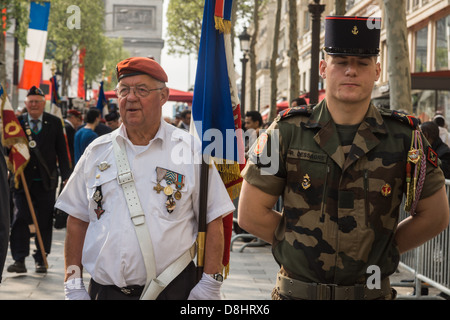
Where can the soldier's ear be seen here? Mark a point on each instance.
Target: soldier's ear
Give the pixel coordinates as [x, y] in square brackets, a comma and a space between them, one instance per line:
[322, 68]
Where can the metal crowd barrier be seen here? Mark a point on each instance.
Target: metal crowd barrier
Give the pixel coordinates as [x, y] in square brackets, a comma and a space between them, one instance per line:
[429, 263]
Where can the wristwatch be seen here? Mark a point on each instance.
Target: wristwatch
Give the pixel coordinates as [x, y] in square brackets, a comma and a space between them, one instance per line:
[217, 277]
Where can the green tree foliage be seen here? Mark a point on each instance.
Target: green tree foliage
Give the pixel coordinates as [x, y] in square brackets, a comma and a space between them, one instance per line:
[184, 28]
[77, 24]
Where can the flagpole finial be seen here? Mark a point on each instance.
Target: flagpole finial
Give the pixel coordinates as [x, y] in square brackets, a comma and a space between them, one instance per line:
[53, 68]
[103, 72]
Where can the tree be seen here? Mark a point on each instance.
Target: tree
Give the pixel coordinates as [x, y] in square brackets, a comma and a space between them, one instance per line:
[294, 78]
[273, 65]
[184, 27]
[339, 7]
[73, 25]
[252, 54]
[398, 62]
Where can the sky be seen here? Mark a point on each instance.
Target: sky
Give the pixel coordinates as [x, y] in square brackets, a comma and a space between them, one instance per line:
[180, 70]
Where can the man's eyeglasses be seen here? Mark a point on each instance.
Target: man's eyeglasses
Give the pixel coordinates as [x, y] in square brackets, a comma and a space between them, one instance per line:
[140, 92]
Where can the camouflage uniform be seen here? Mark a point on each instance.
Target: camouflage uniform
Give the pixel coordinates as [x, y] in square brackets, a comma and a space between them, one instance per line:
[336, 220]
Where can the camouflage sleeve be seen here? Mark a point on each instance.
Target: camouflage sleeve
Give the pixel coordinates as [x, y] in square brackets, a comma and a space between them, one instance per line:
[434, 178]
[265, 166]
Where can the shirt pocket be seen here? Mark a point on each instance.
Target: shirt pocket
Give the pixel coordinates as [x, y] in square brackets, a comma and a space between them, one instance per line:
[307, 174]
[160, 199]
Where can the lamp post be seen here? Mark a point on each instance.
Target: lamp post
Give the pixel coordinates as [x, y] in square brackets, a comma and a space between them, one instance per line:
[316, 10]
[244, 39]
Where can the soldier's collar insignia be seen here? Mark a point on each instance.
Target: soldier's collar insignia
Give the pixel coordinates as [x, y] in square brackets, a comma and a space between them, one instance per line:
[355, 30]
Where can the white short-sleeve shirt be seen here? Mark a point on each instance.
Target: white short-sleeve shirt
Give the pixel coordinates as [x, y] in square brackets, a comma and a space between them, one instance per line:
[111, 252]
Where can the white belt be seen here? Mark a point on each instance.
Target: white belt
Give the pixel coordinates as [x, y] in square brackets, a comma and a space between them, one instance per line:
[153, 287]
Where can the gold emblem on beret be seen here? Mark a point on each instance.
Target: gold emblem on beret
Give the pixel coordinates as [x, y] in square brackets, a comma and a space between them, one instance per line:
[355, 30]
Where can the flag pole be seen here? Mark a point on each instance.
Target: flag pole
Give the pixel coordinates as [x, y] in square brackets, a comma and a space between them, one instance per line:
[33, 216]
[201, 238]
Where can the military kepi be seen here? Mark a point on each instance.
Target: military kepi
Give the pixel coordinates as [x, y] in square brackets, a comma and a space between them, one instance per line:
[352, 36]
[140, 65]
[35, 91]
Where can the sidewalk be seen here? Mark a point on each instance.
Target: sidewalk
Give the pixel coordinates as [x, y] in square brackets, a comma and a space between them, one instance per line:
[252, 275]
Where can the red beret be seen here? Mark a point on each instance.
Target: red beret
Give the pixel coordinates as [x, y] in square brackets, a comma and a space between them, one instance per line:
[74, 113]
[140, 65]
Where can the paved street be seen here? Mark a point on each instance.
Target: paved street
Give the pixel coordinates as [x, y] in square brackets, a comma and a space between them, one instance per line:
[252, 275]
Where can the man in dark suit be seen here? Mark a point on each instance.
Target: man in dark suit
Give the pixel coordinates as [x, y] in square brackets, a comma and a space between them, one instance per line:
[48, 151]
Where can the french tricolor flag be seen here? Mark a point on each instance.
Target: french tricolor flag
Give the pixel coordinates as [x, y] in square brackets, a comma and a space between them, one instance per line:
[37, 41]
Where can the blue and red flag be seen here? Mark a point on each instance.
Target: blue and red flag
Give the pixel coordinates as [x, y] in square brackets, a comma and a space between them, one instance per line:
[215, 107]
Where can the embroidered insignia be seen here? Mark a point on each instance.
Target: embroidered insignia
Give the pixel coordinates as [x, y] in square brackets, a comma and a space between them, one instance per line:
[355, 30]
[261, 143]
[306, 183]
[386, 190]
[432, 157]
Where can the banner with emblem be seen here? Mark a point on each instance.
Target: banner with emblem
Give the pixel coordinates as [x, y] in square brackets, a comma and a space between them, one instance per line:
[14, 138]
[216, 104]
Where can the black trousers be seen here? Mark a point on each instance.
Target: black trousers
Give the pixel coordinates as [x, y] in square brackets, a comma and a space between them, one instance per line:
[178, 289]
[43, 203]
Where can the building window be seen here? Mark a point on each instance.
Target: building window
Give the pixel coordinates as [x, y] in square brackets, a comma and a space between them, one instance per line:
[421, 50]
[134, 17]
[443, 44]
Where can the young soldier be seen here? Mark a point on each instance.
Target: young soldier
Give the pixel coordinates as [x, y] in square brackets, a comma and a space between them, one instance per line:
[344, 167]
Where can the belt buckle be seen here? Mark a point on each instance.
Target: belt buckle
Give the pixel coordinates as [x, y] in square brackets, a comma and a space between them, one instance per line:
[126, 290]
[325, 291]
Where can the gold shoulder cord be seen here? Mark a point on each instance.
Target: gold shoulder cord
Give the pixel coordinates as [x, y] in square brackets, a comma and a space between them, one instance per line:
[414, 161]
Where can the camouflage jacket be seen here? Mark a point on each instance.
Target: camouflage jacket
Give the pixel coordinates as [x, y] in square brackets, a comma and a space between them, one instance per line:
[340, 213]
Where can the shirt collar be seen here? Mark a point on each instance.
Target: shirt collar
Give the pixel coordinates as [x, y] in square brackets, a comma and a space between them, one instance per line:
[159, 136]
[30, 118]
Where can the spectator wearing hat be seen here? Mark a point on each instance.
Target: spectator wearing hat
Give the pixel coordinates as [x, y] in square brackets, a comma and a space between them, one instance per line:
[71, 123]
[112, 120]
[343, 166]
[133, 170]
[48, 153]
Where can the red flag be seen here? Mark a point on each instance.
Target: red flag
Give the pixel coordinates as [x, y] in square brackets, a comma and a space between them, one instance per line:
[81, 93]
[13, 137]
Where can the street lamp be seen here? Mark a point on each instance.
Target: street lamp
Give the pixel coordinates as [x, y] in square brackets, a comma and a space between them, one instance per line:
[244, 39]
[316, 10]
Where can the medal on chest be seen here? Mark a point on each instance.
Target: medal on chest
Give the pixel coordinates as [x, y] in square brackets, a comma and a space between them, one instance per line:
[98, 197]
[171, 178]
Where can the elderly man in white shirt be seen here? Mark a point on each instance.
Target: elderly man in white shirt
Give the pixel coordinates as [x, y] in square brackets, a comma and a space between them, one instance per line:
[165, 172]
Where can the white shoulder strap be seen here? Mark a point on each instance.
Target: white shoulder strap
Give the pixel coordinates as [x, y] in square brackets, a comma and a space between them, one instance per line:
[125, 179]
[153, 287]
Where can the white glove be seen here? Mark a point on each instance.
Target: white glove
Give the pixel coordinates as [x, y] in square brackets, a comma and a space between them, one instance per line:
[74, 290]
[206, 289]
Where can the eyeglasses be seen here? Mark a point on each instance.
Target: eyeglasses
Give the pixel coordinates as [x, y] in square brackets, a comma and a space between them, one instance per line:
[140, 92]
